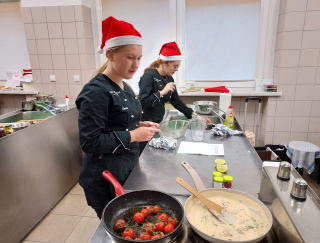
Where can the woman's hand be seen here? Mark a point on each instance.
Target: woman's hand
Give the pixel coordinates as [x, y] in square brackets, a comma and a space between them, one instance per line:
[148, 124]
[169, 87]
[143, 133]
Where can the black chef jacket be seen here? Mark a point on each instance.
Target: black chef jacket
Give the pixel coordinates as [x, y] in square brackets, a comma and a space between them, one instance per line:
[106, 115]
[151, 83]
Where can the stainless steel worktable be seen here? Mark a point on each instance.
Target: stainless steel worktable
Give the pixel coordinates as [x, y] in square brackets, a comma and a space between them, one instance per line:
[158, 168]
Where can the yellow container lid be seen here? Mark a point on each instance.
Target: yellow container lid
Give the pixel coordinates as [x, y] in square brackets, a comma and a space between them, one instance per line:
[218, 179]
[228, 178]
[216, 173]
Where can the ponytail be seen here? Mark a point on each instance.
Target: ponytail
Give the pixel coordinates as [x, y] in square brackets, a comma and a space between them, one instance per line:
[156, 64]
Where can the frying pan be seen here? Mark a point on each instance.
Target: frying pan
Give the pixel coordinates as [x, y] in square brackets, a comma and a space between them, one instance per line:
[211, 192]
[124, 205]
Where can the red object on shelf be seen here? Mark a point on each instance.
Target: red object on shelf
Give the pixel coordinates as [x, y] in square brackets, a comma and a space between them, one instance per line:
[219, 89]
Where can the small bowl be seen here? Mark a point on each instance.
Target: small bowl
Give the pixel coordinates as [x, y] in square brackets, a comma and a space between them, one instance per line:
[173, 129]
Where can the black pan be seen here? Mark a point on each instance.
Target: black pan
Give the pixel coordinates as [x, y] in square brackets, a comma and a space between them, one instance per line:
[124, 204]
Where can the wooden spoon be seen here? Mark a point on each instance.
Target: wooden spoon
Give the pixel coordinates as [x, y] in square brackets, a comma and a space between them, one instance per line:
[214, 208]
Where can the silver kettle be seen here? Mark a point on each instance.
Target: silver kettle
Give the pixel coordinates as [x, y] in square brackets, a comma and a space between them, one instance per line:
[28, 105]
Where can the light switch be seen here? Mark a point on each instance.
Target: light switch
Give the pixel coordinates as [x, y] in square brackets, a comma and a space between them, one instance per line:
[52, 78]
[76, 78]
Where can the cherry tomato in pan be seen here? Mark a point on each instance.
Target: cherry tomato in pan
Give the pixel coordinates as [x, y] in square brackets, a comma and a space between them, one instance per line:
[128, 238]
[168, 228]
[128, 232]
[138, 217]
[157, 236]
[156, 209]
[145, 212]
[173, 221]
[149, 228]
[120, 223]
[144, 236]
[150, 209]
[163, 217]
[137, 239]
[159, 226]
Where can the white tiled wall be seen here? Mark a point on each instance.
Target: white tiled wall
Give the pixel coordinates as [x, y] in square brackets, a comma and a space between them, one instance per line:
[60, 43]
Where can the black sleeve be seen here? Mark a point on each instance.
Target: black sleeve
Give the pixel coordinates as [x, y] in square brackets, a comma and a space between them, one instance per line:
[93, 106]
[147, 94]
[179, 105]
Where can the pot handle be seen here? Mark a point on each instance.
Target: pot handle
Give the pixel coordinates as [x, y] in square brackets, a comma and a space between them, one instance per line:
[117, 187]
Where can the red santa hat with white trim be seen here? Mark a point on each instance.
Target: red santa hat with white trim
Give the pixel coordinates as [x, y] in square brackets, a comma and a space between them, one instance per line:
[170, 52]
[118, 33]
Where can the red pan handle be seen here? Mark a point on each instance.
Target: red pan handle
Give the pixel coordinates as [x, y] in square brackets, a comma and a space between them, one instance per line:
[117, 187]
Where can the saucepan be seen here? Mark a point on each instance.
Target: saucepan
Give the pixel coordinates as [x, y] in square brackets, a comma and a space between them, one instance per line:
[124, 203]
[204, 107]
[242, 230]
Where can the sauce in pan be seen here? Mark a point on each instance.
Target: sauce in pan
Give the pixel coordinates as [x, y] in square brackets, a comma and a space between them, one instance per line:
[251, 221]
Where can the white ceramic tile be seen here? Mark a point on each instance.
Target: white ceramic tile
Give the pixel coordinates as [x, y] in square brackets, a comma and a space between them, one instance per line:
[38, 87]
[284, 108]
[306, 75]
[281, 137]
[45, 62]
[89, 45]
[316, 92]
[36, 74]
[312, 20]
[281, 23]
[282, 124]
[314, 138]
[62, 90]
[289, 58]
[45, 75]
[73, 61]
[43, 46]
[291, 40]
[279, 41]
[302, 108]
[55, 30]
[91, 213]
[41, 31]
[287, 75]
[268, 138]
[26, 15]
[296, 5]
[298, 136]
[75, 90]
[283, 6]
[80, 30]
[311, 39]
[71, 73]
[29, 30]
[77, 189]
[288, 92]
[269, 124]
[61, 76]
[38, 15]
[71, 46]
[34, 61]
[87, 76]
[314, 124]
[32, 47]
[67, 14]
[313, 5]
[300, 124]
[50, 89]
[315, 109]
[318, 76]
[82, 45]
[309, 58]
[82, 13]
[304, 92]
[57, 46]
[53, 14]
[69, 30]
[294, 21]
[88, 30]
[59, 62]
[271, 108]
[277, 58]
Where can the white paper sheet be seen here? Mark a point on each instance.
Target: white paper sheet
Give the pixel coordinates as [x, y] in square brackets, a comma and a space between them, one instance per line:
[200, 148]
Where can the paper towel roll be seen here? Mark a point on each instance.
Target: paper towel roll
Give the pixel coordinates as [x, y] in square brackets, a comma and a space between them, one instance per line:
[224, 102]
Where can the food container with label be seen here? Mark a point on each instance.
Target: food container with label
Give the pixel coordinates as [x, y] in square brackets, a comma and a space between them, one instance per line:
[217, 182]
[227, 181]
[270, 87]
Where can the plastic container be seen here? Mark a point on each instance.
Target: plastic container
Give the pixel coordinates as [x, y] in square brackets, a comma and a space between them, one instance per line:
[218, 180]
[270, 88]
[227, 181]
[229, 121]
[216, 173]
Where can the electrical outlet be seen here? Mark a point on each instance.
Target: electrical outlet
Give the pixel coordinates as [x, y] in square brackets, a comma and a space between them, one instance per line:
[52, 78]
[76, 78]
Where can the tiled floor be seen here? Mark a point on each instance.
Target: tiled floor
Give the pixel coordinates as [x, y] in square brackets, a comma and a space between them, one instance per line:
[72, 221]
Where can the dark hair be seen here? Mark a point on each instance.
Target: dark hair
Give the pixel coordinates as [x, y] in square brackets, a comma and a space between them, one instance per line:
[155, 65]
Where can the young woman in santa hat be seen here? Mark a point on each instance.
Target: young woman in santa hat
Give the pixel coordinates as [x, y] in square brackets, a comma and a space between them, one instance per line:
[110, 124]
[157, 86]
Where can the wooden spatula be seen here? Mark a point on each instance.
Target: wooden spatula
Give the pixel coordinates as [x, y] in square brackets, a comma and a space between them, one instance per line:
[214, 208]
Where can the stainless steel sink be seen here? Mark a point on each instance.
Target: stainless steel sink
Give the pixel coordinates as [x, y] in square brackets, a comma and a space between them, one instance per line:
[25, 115]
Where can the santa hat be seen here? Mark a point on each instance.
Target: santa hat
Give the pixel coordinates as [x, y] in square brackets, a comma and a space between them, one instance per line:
[118, 33]
[170, 52]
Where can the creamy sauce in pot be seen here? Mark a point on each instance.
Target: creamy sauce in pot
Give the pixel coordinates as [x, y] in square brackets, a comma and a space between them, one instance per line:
[250, 220]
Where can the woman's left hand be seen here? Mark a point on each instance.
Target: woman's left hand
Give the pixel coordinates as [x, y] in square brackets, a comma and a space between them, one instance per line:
[148, 124]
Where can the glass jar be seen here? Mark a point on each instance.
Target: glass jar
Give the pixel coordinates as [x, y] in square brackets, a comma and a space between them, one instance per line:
[218, 180]
[227, 181]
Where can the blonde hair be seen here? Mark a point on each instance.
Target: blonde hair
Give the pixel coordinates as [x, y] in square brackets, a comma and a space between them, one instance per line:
[156, 64]
[104, 66]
